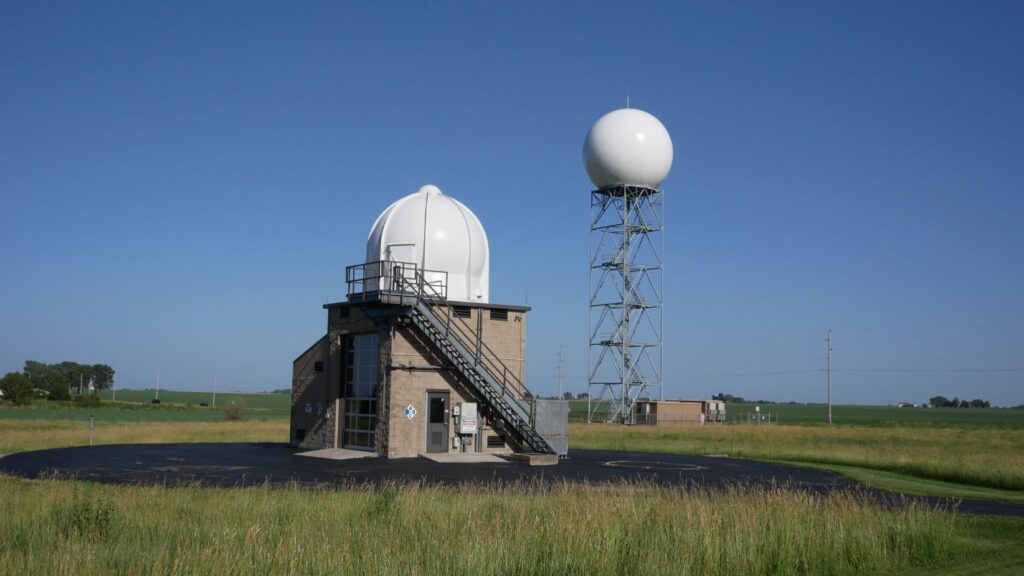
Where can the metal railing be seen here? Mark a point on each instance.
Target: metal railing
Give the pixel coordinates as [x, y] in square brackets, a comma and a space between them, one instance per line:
[373, 280]
[469, 337]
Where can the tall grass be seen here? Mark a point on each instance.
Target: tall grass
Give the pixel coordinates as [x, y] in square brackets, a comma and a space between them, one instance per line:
[23, 435]
[977, 456]
[59, 527]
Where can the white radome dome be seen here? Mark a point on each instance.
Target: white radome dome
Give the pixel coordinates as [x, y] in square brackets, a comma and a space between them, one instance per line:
[438, 233]
[628, 146]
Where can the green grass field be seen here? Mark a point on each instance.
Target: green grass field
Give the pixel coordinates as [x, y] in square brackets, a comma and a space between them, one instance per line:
[134, 406]
[281, 402]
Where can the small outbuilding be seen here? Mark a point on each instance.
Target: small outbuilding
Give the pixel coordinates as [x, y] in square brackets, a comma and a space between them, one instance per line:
[680, 412]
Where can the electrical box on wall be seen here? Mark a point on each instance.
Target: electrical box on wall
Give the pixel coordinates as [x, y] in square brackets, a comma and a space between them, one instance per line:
[467, 418]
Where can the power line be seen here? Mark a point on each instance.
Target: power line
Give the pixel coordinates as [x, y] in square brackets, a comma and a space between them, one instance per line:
[928, 369]
[819, 370]
[776, 373]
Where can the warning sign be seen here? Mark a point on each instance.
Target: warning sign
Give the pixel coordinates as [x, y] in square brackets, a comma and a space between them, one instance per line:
[467, 420]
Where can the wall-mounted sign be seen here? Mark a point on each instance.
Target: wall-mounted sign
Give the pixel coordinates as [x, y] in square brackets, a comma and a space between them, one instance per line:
[467, 418]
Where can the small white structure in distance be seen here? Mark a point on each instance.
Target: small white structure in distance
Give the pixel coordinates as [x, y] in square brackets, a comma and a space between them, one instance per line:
[437, 233]
[628, 146]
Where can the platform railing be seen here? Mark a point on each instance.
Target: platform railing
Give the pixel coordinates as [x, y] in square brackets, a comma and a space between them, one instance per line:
[382, 279]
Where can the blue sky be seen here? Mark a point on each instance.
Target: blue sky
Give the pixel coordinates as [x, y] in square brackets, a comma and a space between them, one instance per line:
[182, 184]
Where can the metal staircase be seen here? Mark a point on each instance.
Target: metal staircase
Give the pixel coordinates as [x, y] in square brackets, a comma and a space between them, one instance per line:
[459, 343]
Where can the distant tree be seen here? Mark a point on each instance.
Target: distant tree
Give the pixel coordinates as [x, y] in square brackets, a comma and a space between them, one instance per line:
[56, 379]
[727, 398]
[17, 388]
[939, 401]
[567, 396]
[979, 403]
[582, 396]
[103, 376]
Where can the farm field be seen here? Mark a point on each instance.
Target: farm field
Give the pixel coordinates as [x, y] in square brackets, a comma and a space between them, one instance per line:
[252, 401]
[118, 413]
[859, 415]
[134, 406]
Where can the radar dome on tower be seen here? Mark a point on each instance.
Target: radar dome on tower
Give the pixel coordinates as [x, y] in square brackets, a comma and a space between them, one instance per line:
[440, 235]
[628, 147]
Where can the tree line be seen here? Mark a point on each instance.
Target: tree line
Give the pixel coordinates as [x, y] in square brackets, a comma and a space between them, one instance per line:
[55, 381]
[943, 402]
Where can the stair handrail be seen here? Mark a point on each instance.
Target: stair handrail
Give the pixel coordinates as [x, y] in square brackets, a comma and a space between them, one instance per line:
[481, 353]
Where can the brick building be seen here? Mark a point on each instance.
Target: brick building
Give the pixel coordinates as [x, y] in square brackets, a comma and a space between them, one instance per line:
[417, 360]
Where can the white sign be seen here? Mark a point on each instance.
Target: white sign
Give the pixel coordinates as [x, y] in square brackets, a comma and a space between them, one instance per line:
[467, 419]
[410, 411]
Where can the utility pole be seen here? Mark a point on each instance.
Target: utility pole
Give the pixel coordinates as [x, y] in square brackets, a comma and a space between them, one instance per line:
[113, 389]
[157, 384]
[214, 389]
[828, 370]
[559, 372]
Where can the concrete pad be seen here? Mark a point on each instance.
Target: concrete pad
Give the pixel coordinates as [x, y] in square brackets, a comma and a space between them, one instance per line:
[337, 454]
[459, 458]
[534, 459]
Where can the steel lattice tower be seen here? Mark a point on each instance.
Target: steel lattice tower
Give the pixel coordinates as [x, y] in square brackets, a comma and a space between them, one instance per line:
[626, 289]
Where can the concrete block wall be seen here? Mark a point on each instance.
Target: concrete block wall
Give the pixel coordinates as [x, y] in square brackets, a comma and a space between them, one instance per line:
[417, 369]
[312, 410]
[410, 367]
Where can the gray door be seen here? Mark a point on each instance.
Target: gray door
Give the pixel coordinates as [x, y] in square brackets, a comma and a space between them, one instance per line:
[437, 421]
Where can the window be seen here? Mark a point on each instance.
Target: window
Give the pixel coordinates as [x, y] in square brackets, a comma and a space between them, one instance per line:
[361, 366]
[318, 366]
[436, 413]
[361, 372]
[462, 311]
[499, 314]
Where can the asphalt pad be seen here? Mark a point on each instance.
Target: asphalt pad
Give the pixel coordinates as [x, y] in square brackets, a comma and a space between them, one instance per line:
[279, 465]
